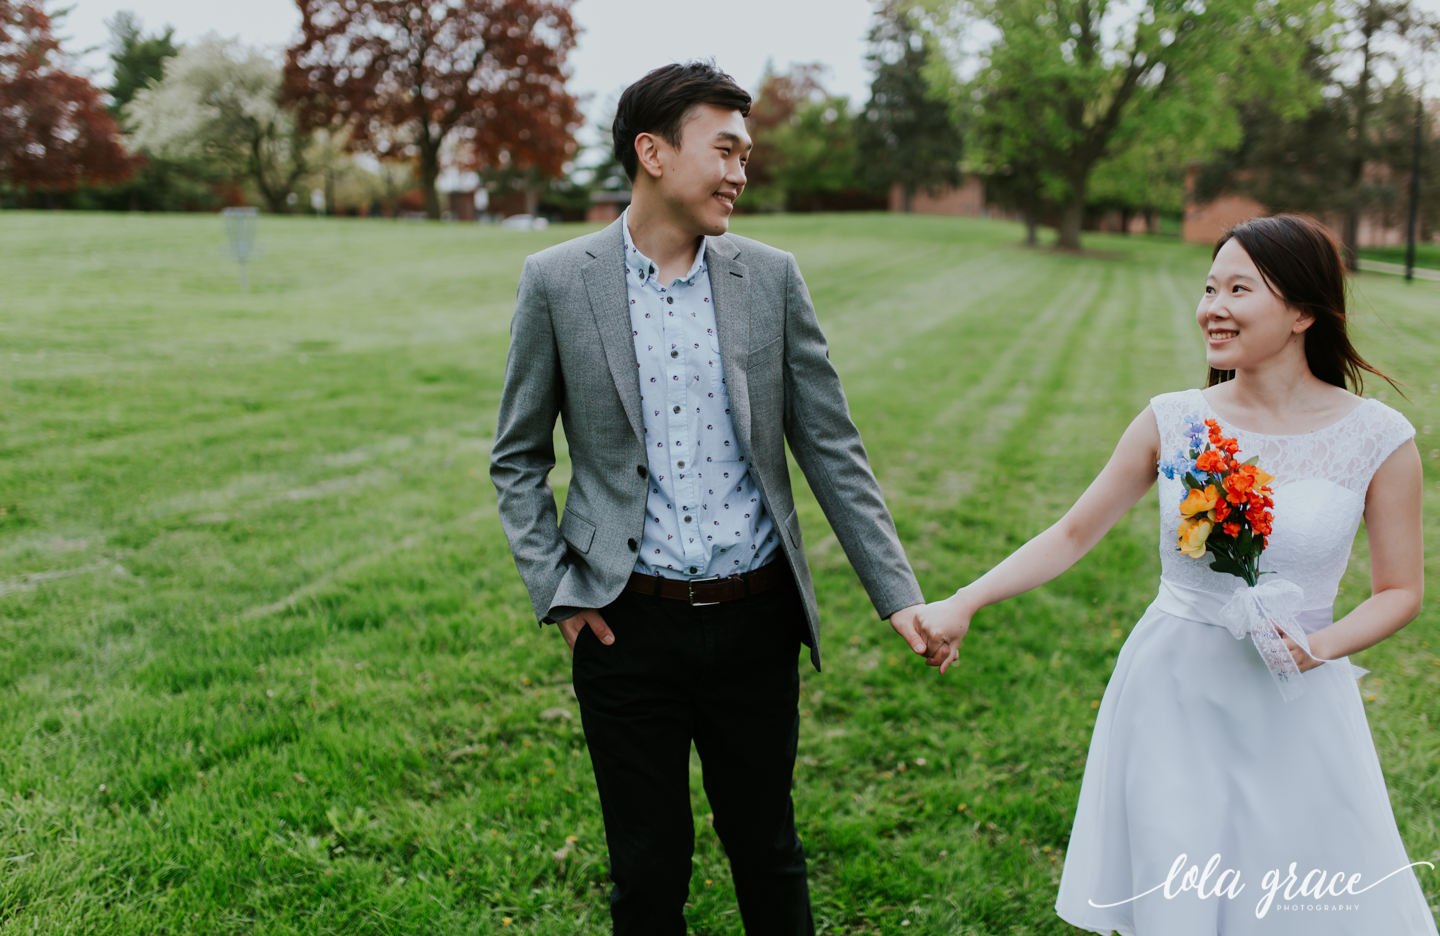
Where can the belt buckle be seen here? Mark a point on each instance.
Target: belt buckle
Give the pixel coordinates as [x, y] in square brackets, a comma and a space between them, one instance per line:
[690, 584]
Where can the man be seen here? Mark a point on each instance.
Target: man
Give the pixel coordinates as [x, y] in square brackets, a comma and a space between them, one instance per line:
[680, 359]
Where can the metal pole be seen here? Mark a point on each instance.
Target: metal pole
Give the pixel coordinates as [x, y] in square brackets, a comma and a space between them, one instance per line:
[1414, 190]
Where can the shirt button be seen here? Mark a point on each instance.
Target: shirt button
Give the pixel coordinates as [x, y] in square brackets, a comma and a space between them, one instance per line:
[674, 353]
[687, 519]
[670, 299]
[632, 544]
[682, 464]
[677, 409]
[693, 570]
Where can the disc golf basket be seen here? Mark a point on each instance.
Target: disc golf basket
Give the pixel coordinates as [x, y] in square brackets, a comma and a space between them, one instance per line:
[240, 228]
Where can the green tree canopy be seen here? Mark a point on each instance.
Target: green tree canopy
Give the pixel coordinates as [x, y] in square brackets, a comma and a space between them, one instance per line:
[805, 156]
[138, 59]
[1071, 83]
[1349, 156]
[906, 134]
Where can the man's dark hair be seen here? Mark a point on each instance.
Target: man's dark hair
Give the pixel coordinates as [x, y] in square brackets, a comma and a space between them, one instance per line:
[662, 102]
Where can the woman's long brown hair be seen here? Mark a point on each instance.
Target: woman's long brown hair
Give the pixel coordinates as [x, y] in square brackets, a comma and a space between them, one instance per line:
[1300, 261]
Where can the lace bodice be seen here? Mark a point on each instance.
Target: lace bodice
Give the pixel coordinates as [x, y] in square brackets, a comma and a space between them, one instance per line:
[1319, 492]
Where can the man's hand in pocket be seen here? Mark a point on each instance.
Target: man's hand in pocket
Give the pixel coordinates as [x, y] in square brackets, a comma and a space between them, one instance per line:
[571, 628]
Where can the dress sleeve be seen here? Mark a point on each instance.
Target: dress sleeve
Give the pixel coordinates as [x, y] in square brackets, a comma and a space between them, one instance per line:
[1388, 431]
[1170, 409]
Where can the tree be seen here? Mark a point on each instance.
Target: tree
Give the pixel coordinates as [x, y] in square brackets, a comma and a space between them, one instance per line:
[1074, 82]
[407, 77]
[55, 134]
[905, 134]
[219, 102]
[804, 157]
[1371, 20]
[1348, 156]
[1145, 178]
[138, 59]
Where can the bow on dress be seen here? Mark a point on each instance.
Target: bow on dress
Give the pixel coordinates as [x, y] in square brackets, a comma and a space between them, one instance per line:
[1263, 611]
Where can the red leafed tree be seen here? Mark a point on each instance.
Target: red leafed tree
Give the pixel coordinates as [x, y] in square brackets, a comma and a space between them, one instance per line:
[55, 134]
[403, 77]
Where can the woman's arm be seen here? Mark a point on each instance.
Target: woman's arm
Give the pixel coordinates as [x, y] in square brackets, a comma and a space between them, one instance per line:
[1123, 481]
[1397, 563]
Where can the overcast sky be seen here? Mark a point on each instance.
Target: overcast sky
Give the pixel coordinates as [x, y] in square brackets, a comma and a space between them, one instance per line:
[619, 42]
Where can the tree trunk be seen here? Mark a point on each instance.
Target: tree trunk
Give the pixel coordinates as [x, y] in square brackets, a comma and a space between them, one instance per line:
[1070, 222]
[1125, 215]
[1073, 217]
[429, 175]
[1374, 16]
[907, 197]
[1032, 223]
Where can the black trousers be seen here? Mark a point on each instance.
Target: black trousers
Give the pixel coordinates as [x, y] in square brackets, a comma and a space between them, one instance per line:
[723, 676]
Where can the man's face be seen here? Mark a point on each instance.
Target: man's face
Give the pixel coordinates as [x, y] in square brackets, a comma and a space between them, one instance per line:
[701, 180]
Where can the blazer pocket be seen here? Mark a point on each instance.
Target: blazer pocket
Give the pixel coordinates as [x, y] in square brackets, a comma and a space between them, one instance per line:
[792, 528]
[765, 352]
[577, 531]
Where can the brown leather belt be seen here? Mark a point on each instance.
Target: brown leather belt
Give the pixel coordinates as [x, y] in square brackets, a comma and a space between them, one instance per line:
[709, 591]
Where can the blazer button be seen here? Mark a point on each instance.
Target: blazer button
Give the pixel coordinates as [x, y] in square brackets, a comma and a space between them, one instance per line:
[642, 471]
[632, 544]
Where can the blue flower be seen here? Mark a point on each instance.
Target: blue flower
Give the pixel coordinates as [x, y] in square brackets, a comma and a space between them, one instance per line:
[1177, 466]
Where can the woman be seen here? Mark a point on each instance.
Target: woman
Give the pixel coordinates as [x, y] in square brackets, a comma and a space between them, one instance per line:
[1210, 803]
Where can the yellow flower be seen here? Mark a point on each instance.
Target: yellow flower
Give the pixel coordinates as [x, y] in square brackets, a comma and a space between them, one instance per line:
[1198, 502]
[1262, 479]
[1194, 531]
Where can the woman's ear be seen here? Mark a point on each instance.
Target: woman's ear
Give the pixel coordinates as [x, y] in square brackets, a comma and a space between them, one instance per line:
[1302, 323]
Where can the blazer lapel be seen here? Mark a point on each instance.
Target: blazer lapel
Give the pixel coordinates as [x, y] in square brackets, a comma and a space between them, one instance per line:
[610, 304]
[730, 285]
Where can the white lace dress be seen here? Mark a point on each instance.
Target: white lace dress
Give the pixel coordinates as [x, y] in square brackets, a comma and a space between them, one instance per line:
[1196, 754]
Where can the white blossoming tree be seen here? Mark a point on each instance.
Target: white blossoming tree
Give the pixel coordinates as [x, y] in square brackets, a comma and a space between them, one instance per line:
[218, 102]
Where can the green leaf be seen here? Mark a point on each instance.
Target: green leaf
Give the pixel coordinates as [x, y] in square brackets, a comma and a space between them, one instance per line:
[1225, 564]
[1252, 460]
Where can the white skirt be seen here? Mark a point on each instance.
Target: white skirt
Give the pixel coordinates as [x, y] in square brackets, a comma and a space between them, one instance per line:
[1196, 755]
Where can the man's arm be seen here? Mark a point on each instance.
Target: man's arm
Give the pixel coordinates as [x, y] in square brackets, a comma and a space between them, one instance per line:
[828, 449]
[524, 451]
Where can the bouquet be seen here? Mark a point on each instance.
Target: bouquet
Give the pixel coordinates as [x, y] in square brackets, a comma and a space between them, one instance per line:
[1226, 510]
[1226, 513]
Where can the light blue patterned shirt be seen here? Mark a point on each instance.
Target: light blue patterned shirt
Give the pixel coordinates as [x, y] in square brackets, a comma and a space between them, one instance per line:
[704, 515]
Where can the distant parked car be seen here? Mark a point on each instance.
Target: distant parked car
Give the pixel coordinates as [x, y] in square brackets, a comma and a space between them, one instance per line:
[525, 222]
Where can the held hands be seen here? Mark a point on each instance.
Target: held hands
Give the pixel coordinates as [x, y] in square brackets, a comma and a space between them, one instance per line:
[590, 618]
[941, 626]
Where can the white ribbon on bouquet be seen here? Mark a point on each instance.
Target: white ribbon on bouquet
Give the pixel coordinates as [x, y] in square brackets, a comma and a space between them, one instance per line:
[1263, 612]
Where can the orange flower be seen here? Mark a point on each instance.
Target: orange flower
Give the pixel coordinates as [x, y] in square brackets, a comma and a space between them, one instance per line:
[1231, 529]
[1194, 531]
[1222, 509]
[1198, 501]
[1210, 461]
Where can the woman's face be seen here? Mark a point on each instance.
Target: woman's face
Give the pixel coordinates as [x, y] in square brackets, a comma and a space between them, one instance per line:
[1243, 322]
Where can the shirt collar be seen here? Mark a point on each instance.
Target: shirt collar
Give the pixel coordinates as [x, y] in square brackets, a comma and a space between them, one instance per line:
[645, 268]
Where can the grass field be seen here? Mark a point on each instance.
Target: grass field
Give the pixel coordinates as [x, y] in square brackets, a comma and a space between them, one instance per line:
[266, 665]
[1426, 255]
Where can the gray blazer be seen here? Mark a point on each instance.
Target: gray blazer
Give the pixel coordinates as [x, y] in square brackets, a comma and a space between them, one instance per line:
[572, 353]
